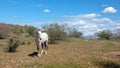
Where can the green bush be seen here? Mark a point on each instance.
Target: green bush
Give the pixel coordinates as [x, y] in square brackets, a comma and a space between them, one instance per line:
[23, 43]
[105, 34]
[56, 32]
[28, 42]
[75, 33]
[30, 30]
[12, 45]
[2, 36]
[106, 64]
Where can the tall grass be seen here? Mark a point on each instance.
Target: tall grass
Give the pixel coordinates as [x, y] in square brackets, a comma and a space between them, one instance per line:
[73, 53]
[69, 64]
[106, 64]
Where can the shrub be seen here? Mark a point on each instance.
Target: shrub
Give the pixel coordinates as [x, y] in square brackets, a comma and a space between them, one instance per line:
[106, 64]
[105, 34]
[28, 42]
[117, 34]
[2, 36]
[23, 43]
[74, 33]
[12, 45]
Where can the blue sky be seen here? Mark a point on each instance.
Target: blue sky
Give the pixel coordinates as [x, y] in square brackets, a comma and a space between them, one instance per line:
[88, 16]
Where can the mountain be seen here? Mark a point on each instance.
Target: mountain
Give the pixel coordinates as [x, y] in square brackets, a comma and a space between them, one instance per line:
[91, 37]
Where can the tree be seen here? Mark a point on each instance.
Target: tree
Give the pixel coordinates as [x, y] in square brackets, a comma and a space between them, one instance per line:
[105, 34]
[74, 33]
[30, 30]
[56, 32]
[117, 34]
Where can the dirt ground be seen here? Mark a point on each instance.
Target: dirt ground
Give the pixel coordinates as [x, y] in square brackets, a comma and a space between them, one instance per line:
[82, 52]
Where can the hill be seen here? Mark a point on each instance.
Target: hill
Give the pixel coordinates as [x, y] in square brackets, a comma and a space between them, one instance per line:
[10, 30]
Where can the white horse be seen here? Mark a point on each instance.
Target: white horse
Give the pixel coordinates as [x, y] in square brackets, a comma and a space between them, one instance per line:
[41, 42]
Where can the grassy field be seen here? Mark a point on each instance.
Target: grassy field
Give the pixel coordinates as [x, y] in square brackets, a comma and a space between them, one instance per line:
[74, 53]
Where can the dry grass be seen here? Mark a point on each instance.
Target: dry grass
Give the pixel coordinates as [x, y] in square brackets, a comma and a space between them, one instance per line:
[74, 53]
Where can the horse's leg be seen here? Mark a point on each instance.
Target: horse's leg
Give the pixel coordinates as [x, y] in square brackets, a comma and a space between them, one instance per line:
[46, 47]
[39, 48]
[42, 46]
[37, 44]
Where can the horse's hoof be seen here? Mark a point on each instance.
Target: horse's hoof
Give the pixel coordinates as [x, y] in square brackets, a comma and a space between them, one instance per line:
[39, 55]
[45, 53]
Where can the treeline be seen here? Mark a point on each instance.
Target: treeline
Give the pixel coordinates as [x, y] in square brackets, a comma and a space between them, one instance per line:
[60, 32]
[55, 31]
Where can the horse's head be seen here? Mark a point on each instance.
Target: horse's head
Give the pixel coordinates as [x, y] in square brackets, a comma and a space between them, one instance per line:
[38, 31]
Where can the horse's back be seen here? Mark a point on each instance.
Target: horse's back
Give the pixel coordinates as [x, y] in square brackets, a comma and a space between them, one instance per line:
[44, 36]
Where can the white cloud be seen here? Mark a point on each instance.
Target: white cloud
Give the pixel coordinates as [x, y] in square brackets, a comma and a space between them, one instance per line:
[109, 10]
[118, 27]
[92, 15]
[89, 24]
[82, 22]
[99, 30]
[89, 27]
[78, 22]
[87, 33]
[102, 20]
[83, 16]
[46, 10]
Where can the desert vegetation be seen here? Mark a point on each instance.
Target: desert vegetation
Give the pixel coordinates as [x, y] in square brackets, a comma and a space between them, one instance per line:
[70, 49]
